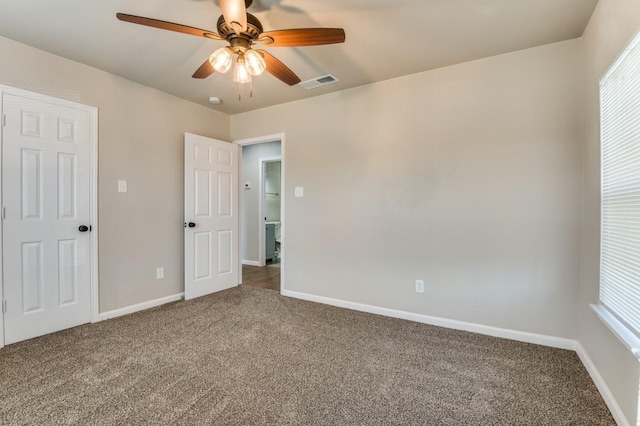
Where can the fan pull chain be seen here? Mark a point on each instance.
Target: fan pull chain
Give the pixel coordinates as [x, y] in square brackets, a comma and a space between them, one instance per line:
[240, 91]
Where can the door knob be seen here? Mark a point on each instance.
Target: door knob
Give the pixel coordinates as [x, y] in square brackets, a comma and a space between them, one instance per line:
[192, 225]
[83, 228]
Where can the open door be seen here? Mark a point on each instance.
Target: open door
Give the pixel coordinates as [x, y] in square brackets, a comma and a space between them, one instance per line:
[211, 215]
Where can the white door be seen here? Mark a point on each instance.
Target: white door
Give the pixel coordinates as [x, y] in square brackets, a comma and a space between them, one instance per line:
[211, 215]
[46, 196]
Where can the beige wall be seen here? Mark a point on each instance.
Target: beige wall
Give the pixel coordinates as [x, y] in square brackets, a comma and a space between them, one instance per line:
[612, 26]
[467, 177]
[141, 140]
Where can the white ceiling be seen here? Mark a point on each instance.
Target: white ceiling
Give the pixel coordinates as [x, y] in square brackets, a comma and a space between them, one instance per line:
[385, 39]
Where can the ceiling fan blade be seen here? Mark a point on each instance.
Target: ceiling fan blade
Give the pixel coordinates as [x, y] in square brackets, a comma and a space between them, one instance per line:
[204, 71]
[235, 14]
[278, 69]
[164, 25]
[304, 37]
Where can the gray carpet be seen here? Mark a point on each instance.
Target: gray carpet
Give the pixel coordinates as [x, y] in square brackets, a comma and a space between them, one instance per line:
[252, 357]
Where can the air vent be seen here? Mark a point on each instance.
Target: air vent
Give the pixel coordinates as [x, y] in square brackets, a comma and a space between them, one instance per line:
[319, 81]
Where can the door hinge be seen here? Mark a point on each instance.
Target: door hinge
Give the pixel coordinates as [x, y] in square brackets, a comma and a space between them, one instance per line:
[3, 214]
[4, 306]
[4, 120]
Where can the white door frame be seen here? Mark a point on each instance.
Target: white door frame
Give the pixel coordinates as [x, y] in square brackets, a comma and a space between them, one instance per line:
[93, 190]
[262, 252]
[283, 223]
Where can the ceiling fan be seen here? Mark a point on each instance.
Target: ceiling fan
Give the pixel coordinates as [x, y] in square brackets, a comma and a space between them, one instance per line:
[242, 30]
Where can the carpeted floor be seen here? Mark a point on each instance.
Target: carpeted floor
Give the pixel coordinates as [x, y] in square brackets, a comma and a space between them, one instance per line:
[252, 357]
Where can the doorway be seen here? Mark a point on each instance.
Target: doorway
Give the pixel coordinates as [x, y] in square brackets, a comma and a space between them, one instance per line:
[270, 203]
[262, 241]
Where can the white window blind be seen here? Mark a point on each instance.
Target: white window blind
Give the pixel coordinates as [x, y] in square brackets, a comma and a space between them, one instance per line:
[620, 226]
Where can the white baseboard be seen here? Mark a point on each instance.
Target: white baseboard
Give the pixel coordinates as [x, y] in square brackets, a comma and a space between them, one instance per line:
[250, 262]
[139, 307]
[604, 390]
[522, 336]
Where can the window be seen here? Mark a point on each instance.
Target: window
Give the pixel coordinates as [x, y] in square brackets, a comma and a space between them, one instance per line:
[620, 202]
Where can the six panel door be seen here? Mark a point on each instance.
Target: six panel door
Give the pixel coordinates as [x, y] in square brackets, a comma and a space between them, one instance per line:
[46, 195]
[211, 216]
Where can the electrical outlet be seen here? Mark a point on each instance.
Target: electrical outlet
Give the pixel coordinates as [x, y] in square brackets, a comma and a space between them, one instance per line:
[160, 273]
[419, 286]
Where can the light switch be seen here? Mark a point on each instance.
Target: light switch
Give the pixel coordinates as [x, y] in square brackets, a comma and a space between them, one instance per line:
[299, 191]
[122, 186]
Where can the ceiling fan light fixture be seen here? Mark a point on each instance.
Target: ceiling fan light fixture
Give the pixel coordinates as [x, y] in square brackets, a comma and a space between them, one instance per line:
[240, 73]
[221, 59]
[241, 30]
[254, 62]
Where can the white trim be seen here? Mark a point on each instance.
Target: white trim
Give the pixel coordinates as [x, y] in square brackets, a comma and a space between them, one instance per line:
[240, 207]
[262, 247]
[95, 278]
[283, 221]
[260, 139]
[139, 307]
[616, 63]
[93, 190]
[626, 336]
[250, 262]
[616, 411]
[522, 336]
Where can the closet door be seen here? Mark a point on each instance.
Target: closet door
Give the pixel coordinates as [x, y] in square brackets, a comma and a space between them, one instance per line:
[46, 198]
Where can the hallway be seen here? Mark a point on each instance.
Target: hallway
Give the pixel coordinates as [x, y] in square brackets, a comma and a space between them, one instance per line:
[267, 277]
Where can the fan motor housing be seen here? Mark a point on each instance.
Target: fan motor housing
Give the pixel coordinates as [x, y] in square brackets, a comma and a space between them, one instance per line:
[242, 41]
